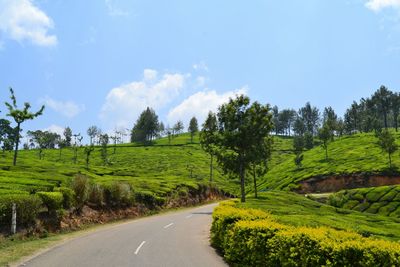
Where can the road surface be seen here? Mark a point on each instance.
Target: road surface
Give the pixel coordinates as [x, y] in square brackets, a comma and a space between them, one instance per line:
[173, 239]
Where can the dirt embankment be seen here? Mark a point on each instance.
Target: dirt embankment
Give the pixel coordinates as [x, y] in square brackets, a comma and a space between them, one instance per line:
[337, 183]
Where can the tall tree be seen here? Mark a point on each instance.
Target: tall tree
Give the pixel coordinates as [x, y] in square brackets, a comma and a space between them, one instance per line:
[178, 127]
[243, 136]
[92, 132]
[208, 138]
[395, 105]
[146, 127]
[388, 144]
[20, 116]
[68, 137]
[286, 119]
[382, 100]
[7, 135]
[310, 117]
[298, 146]
[193, 128]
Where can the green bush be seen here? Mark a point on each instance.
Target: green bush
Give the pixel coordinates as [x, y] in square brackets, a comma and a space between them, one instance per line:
[81, 187]
[52, 200]
[263, 242]
[28, 207]
[118, 195]
[149, 199]
[96, 195]
[68, 196]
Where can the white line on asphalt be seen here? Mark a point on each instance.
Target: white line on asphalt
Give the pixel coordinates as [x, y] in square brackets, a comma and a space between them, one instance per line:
[189, 216]
[139, 247]
[165, 227]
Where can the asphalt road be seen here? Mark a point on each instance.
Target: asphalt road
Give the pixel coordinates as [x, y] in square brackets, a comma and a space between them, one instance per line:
[173, 239]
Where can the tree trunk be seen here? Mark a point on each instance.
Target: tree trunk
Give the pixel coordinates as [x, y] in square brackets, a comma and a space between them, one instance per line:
[255, 181]
[211, 168]
[242, 175]
[385, 119]
[326, 152]
[16, 144]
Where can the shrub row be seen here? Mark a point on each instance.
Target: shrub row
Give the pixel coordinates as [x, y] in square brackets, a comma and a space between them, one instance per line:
[28, 207]
[248, 238]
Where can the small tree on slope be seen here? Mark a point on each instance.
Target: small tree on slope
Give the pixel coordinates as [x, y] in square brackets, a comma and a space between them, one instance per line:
[20, 116]
[388, 144]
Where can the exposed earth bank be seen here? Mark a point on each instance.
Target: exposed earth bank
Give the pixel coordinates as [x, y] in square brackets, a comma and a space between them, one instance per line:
[334, 183]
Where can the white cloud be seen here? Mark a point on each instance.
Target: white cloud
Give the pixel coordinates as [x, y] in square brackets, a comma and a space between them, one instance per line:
[124, 103]
[67, 108]
[378, 5]
[21, 20]
[149, 74]
[200, 104]
[200, 66]
[55, 129]
[113, 10]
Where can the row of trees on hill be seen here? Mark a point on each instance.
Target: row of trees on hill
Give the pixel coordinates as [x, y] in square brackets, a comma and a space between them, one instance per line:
[148, 127]
[380, 110]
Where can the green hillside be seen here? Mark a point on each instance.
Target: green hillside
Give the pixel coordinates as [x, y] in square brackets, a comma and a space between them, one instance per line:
[294, 209]
[383, 200]
[358, 153]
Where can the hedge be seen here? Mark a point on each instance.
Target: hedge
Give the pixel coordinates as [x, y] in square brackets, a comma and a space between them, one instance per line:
[52, 200]
[28, 207]
[247, 239]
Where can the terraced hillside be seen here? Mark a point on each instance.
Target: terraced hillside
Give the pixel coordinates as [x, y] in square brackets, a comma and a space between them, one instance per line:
[160, 168]
[349, 156]
[293, 209]
[384, 200]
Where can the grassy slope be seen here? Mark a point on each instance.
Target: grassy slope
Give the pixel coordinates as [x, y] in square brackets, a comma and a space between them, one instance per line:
[383, 200]
[159, 168]
[294, 209]
[347, 155]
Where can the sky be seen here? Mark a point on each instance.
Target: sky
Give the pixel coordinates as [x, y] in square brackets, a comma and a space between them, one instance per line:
[101, 62]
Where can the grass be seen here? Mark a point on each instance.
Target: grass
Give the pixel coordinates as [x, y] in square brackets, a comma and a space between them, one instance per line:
[347, 155]
[383, 200]
[293, 209]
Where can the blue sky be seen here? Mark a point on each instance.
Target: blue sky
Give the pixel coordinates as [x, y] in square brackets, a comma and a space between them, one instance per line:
[102, 62]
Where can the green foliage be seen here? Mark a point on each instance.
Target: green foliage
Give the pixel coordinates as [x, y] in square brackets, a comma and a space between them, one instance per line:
[383, 200]
[68, 196]
[250, 241]
[96, 195]
[193, 128]
[388, 144]
[52, 200]
[149, 199]
[81, 187]
[28, 207]
[146, 127]
[118, 195]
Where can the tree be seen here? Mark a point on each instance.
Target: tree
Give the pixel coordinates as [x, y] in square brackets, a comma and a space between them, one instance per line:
[257, 170]
[298, 146]
[388, 144]
[178, 127]
[243, 136]
[330, 119]
[382, 100]
[7, 135]
[299, 127]
[395, 105]
[310, 117]
[325, 135]
[286, 118]
[161, 129]
[44, 140]
[208, 138]
[20, 116]
[146, 127]
[88, 150]
[92, 132]
[104, 140]
[68, 136]
[193, 128]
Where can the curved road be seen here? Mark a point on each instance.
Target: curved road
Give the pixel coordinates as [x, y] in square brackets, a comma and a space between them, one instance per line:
[174, 239]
